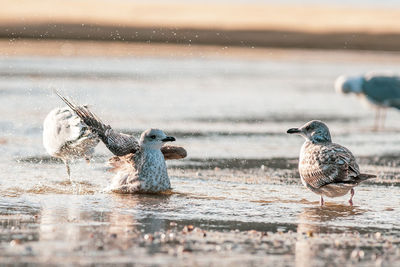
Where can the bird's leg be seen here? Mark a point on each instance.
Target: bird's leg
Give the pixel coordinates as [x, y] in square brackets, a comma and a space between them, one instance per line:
[68, 170]
[87, 159]
[377, 116]
[383, 113]
[321, 201]
[351, 197]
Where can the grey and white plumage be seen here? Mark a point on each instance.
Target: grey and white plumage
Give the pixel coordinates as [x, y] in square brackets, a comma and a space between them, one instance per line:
[145, 170]
[380, 90]
[65, 136]
[139, 164]
[326, 168]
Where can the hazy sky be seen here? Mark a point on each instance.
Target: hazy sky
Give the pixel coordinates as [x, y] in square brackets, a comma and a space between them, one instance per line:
[382, 3]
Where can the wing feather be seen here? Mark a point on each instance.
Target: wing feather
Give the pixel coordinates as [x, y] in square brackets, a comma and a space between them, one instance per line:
[170, 152]
[119, 144]
[173, 152]
[328, 164]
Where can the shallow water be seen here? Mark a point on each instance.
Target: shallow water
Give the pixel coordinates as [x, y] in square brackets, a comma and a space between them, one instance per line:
[231, 115]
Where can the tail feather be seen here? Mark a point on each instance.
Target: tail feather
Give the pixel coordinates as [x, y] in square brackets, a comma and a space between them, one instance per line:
[89, 118]
[119, 144]
[364, 176]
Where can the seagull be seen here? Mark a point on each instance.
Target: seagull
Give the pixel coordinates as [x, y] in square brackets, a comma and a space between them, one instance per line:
[382, 91]
[139, 164]
[67, 137]
[326, 168]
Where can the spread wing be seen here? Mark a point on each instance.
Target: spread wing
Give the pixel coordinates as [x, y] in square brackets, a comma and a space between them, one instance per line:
[127, 162]
[333, 163]
[119, 144]
[173, 152]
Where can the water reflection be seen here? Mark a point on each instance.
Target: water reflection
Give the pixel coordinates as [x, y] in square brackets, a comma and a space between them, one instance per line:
[314, 221]
[82, 224]
[66, 226]
[137, 211]
[18, 220]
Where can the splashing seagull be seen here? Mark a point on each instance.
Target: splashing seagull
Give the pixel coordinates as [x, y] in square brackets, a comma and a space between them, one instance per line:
[139, 164]
[326, 168]
[66, 137]
[382, 91]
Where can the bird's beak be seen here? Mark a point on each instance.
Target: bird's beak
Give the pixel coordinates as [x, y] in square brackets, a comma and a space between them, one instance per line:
[169, 139]
[293, 131]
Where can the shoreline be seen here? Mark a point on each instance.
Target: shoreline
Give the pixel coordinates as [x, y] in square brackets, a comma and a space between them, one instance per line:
[219, 37]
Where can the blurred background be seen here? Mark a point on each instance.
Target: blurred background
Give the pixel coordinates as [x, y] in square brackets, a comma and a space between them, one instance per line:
[224, 71]
[352, 24]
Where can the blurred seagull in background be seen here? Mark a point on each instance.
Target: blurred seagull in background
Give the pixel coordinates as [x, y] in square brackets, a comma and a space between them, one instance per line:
[382, 91]
[139, 164]
[67, 137]
[326, 168]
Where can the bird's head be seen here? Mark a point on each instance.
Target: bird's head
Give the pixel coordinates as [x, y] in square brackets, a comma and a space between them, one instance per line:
[314, 131]
[154, 139]
[345, 84]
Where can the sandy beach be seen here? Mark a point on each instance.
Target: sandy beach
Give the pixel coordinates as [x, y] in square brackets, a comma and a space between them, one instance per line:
[237, 24]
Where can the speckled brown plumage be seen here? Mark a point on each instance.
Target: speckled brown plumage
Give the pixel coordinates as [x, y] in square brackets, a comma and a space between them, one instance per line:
[326, 168]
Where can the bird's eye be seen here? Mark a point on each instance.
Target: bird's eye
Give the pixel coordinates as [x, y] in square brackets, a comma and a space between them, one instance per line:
[308, 127]
[153, 137]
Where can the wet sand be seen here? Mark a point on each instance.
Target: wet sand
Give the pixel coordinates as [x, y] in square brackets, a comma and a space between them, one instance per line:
[213, 217]
[176, 244]
[89, 48]
[236, 199]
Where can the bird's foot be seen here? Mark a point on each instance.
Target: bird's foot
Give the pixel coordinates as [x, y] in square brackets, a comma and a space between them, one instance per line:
[75, 187]
[70, 182]
[351, 197]
[375, 129]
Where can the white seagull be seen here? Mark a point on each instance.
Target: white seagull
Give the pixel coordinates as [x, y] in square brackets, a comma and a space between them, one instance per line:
[326, 168]
[139, 164]
[382, 91]
[66, 137]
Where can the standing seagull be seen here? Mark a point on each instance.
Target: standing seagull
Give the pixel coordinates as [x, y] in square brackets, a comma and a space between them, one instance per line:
[326, 168]
[139, 165]
[382, 91]
[66, 137]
